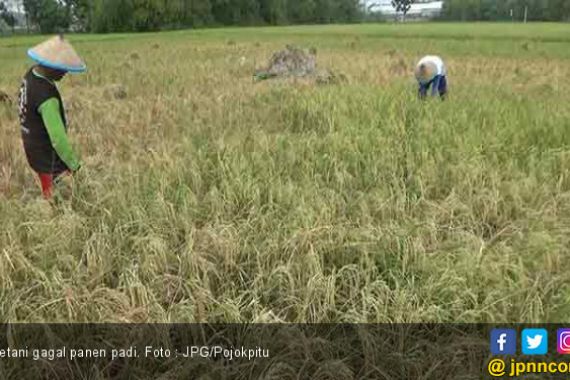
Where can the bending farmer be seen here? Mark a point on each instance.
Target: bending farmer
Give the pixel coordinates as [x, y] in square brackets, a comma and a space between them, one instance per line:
[42, 116]
[431, 72]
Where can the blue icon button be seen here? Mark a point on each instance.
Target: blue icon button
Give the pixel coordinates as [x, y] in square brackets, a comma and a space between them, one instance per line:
[503, 342]
[534, 341]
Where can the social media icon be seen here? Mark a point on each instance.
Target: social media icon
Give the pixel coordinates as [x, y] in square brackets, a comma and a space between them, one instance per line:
[563, 341]
[534, 341]
[504, 342]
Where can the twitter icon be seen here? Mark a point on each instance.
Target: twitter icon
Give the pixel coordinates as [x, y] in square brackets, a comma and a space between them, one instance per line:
[534, 341]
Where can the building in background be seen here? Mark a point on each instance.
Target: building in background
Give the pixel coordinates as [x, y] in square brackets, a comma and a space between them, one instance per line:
[420, 10]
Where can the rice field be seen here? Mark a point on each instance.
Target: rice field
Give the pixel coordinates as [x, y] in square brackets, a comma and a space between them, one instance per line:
[206, 197]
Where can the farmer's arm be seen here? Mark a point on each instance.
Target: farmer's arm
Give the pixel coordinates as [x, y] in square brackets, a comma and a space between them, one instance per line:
[56, 131]
[435, 85]
[422, 91]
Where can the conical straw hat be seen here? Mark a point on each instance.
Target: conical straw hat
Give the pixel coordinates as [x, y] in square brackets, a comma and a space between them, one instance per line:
[57, 53]
[427, 74]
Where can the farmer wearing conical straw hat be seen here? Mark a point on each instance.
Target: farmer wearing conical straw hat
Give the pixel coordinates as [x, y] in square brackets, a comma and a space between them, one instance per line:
[431, 72]
[42, 116]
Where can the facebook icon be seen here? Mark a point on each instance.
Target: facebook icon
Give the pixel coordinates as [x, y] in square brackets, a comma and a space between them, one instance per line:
[503, 342]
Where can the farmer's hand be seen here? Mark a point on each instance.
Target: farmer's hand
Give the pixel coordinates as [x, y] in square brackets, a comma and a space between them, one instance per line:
[76, 169]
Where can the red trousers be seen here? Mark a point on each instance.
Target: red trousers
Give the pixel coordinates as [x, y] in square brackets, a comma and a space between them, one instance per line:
[47, 181]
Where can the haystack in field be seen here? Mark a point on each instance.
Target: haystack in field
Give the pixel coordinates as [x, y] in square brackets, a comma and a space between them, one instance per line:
[291, 62]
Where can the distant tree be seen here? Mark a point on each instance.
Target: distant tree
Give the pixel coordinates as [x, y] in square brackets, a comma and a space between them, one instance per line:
[173, 13]
[347, 11]
[224, 11]
[49, 15]
[112, 16]
[301, 11]
[402, 6]
[198, 13]
[147, 14]
[273, 11]
[559, 10]
[538, 10]
[7, 16]
[102, 16]
[81, 12]
[3, 10]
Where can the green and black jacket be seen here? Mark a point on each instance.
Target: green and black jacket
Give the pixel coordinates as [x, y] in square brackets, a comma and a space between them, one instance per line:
[44, 127]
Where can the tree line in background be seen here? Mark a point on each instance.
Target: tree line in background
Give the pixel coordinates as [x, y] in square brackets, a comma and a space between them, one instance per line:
[503, 10]
[148, 15]
[102, 16]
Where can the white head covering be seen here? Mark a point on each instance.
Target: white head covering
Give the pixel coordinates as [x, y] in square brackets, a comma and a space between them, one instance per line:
[433, 65]
[425, 72]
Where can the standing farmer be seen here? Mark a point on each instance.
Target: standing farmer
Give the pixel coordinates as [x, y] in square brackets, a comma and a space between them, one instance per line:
[42, 116]
[431, 72]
